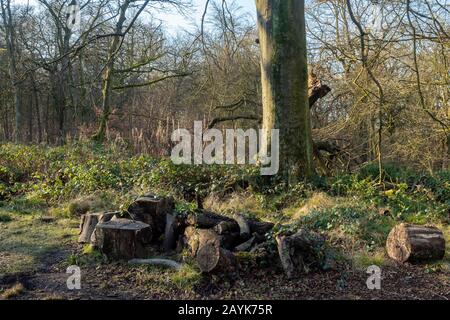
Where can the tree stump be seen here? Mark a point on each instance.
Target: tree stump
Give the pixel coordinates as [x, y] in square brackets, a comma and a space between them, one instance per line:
[88, 223]
[152, 210]
[411, 243]
[123, 238]
[301, 252]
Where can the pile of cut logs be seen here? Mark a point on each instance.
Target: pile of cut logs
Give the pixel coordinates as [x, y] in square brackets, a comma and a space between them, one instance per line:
[212, 239]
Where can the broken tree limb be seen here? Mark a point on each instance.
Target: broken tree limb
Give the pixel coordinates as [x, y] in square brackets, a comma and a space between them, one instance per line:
[300, 252]
[157, 262]
[316, 89]
[244, 228]
[411, 243]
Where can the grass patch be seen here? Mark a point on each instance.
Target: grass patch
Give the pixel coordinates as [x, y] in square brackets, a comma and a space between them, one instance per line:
[13, 292]
[88, 256]
[186, 278]
[363, 259]
[26, 243]
[5, 217]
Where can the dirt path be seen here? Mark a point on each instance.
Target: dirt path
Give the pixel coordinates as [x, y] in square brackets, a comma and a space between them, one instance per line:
[115, 281]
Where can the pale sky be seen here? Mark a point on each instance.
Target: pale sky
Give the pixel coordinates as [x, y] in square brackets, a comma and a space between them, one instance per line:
[174, 21]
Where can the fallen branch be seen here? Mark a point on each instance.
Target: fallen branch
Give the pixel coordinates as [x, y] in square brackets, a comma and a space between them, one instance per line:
[157, 262]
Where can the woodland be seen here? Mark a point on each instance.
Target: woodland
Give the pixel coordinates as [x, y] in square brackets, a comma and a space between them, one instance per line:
[92, 91]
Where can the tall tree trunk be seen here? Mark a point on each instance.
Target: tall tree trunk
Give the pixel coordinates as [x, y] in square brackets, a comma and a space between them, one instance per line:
[284, 74]
[108, 73]
[13, 74]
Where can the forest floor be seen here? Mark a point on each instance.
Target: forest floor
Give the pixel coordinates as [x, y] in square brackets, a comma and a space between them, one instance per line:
[34, 255]
[353, 210]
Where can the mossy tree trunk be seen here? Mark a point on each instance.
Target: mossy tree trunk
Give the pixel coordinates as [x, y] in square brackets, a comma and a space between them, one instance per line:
[100, 135]
[284, 74]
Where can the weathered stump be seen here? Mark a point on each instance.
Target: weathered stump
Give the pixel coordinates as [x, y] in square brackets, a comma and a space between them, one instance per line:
[123, 238]
[152, 210]
[411, 243]
[88, 223]
[301, 252]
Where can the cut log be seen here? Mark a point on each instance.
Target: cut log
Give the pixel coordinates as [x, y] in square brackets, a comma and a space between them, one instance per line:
[207, 220]
[123, 238]
[157, 262]
[301, 252]
[226, 227]
[411, 243]
[195, 238]
[88, 223]
[260, 227]
[152, 210]
[211, 258]
[223, 224]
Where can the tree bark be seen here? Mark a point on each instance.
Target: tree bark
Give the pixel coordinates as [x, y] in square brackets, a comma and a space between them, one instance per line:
[13, 70]
[410, 243]
[284, 76]
[300, 252]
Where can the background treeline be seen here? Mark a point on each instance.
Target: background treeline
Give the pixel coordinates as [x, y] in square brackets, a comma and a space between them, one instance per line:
[123, 77]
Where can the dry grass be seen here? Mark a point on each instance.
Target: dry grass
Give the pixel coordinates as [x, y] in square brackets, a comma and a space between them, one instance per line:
[13, 292]
[235, 203]
[317, 201]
